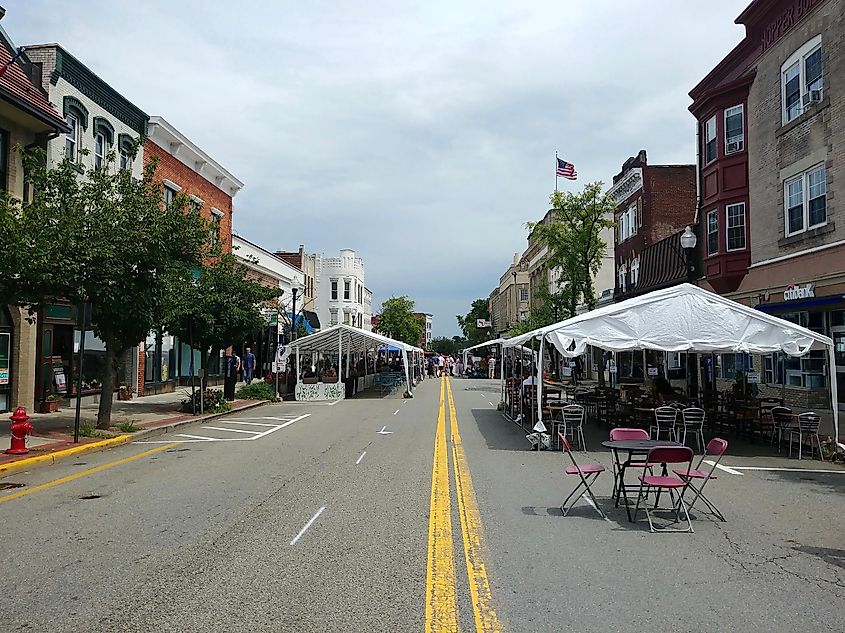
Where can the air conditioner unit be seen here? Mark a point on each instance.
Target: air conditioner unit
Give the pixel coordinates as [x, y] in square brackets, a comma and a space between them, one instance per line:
[810, 97]
[734, 146]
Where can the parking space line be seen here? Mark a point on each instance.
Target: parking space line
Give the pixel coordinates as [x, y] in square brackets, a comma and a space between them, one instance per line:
[307, 525]
[221, 428]
[246, 423]
[196, 437]
[723, 468]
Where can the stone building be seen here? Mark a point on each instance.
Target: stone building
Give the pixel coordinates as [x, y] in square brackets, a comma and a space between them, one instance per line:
[771, 119]
[27, 119]
[509, 302]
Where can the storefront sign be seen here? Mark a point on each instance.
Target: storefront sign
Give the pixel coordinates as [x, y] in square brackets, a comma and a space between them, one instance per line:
[786, 20]
[59, 378]
[792, 292]
[652, 371]
[753, 377]
[481, 323]
[4, 375]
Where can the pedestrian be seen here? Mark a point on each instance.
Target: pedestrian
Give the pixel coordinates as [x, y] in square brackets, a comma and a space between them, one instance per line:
[248, 365]
[491, 367]
[230, 375]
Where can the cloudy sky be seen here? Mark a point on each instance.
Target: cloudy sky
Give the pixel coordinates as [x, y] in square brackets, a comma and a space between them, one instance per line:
[421, 134]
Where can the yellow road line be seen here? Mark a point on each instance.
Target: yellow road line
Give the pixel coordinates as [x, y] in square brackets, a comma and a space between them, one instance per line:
[472, 531]
[441, 605]
[90, 471]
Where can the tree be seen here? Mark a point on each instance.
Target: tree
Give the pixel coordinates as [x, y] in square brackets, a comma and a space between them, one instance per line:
[573, 237]
[448, 346]
[219, 306]
[120, 250]
[478, 310]
[398, 321]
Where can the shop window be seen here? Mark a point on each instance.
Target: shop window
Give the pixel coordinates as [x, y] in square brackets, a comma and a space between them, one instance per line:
[710, 140]
[735, 214]
[734, 130]
[712, 232]
[805, 201]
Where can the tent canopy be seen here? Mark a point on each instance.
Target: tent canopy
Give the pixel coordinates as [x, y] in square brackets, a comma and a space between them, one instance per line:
[497, 341]
[353, 339]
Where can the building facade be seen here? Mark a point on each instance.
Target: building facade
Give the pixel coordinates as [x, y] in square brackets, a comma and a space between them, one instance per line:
[307, 264]
[100, 124]
[777, 102]
[509, 303]
[341, 290]
[427, 320]
[182, 167]
[653, 202]
[27, 119]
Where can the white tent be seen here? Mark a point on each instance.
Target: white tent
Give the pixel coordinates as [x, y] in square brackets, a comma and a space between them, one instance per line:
[497, 341]
[682, 318]
[341, 337]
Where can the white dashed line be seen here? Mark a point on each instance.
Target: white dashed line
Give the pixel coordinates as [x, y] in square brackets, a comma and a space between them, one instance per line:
[307, 525]
[395, 412]
[360, 458]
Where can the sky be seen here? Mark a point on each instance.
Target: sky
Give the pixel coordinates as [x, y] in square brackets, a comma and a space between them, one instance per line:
[420, 134]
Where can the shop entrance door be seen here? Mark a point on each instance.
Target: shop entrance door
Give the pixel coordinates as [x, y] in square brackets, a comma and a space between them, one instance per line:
[838, 335]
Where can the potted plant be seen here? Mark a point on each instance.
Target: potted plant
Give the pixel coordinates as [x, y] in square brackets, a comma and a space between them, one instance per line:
[49, 404]
[124, 392]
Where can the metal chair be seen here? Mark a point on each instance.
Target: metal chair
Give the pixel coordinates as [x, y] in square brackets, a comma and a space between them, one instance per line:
[808, 427]
[716, 448]
[618, 435]
[588, 474]
[665, 419]
[657, 483]
[781, 421]
[573, 424]
[692, 419]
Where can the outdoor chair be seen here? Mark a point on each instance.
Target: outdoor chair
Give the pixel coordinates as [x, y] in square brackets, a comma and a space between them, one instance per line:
[573, 424]
[665, 419]
[588, 474]
[781, 422]
[807, 428]
[715, 449]
[692, 421]
[618, 435]
[658, 483]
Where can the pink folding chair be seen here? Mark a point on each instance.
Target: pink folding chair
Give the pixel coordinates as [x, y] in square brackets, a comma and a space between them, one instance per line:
[715, 449]
[658, 483]
[618, 435]
[588, 474]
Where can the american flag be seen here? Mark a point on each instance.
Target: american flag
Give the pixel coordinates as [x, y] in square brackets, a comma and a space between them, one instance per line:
[566, 170]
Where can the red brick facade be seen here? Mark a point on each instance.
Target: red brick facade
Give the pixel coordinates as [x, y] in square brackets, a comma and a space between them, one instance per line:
[192, 183]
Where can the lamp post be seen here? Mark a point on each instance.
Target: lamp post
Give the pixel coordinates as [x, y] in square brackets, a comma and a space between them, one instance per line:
[515, 299]
[688, 242]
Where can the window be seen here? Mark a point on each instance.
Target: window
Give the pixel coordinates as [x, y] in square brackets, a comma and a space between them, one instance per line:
[523, 294]
[801, 79]
[632, 220]
[627, 223]
[735, 214]
[334, 289]
[734, 130]
[100, 150]
[125, 158]
[805, 200]
[710, 140]
[169, 195]
[712, 232]
[622, 272]
[216, 221]
[333, 317]
[623, 227]
[72, 137]
[360, 320]
[346, 290]
[345, 317]
[635, 272]
[807, 371]
[728, 364]
[360, 293]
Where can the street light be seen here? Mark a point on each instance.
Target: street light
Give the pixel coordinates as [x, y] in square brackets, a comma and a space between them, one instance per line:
[688, 242]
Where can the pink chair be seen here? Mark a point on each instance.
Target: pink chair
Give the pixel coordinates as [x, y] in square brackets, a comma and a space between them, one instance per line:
[716, 448]
[618, 435]
[588, 474]
[658, 483]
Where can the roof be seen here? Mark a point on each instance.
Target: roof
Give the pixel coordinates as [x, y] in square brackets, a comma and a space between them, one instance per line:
[350, 338]
[661, 264]
[17, 88]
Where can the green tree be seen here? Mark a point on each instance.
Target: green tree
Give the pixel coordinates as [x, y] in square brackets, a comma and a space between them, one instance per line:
[398, 321]
[220, 306]
[447, 346]
[573, 238]
[474, 334]
[120, 250]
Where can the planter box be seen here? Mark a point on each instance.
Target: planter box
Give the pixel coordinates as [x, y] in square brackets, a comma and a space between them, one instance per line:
[124, 395]
[48, 406]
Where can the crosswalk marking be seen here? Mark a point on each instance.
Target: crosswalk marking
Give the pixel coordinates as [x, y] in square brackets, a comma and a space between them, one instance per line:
[219, 428]
[283, 422]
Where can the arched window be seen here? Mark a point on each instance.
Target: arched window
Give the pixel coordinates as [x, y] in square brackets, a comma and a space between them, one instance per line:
[125, 150]
[103, 140]
[76, 116]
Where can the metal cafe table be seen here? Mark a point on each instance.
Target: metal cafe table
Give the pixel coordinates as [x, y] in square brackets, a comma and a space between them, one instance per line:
[632, 447]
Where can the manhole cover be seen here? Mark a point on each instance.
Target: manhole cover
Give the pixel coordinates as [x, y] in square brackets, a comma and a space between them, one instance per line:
[86, 497]
[9, 484]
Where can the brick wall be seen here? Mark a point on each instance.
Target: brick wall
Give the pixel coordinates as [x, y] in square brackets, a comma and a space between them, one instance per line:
[670, 200]
[777, 151]
[193, 183]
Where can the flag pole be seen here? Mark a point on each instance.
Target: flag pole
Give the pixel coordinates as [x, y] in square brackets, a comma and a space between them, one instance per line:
[556, 159]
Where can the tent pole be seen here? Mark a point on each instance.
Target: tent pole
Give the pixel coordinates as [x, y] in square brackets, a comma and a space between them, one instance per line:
[834, 388]
[540, 380]
[407, 375]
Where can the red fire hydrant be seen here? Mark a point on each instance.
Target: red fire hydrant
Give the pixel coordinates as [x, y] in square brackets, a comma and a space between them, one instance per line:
[20, 428]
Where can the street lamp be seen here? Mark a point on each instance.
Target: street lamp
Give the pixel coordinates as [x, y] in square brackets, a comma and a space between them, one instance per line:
[688, 242]
[515, 297]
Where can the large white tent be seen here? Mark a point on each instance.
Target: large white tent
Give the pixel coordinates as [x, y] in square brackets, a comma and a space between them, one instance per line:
[683, 318]
[342, 338]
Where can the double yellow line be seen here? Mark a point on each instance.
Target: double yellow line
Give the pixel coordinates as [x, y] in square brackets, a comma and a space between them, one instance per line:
[441, 607]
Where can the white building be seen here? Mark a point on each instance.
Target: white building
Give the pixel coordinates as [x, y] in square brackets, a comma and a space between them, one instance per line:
[270, 270]
[342, 296]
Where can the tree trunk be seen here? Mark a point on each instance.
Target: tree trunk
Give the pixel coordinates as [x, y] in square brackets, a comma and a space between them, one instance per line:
[107, 392]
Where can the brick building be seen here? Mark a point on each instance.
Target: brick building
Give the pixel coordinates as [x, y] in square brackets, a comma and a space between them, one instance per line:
[27, 119]
[307, 264]
[653, 202]
[183, 167]
[771, 119]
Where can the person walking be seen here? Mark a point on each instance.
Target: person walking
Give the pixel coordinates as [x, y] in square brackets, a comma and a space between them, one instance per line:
[248, 365]
[230, 375]
[491, 367]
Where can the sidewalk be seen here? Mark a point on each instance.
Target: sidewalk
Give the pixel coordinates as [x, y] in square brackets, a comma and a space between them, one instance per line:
[53, 432]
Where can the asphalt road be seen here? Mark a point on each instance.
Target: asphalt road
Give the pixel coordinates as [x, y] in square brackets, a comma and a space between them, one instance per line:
[222, 536]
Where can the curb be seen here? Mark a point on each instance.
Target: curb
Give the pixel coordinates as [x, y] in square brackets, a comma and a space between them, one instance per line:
[53, 458]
